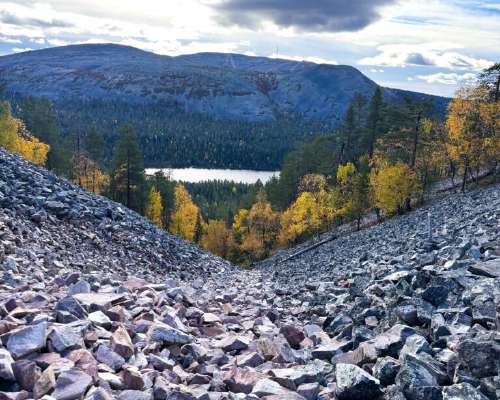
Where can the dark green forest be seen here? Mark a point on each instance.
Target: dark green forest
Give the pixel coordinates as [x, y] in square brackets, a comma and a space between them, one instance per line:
[172, 138]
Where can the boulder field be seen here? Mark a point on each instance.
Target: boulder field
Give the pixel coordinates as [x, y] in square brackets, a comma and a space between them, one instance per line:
[96, 303]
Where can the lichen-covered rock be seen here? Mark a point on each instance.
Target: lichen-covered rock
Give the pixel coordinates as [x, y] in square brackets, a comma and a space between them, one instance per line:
[353, 383]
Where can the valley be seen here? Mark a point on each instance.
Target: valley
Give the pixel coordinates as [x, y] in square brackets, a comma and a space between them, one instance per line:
[205, 110]
[98, 303]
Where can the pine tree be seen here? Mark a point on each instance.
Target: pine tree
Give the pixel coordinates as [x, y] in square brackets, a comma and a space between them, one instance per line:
[127, 177]
[40, 118]
[374, 120]
[490, 78]
[94, 144]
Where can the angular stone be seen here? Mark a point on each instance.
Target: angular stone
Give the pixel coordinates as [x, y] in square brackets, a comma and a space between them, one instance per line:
[209, 318]
[79, 287]
[98, 394]
[26, 373]
[84, 360]
[417, 381]
[6, 362]
[392, 341]
[293, 334]
[109, 357]
[435, 294]
[45, 383]
[98, 301]
[27, 340]
[241, 380]
[65, 337]
[167, 335]
[489, 269]
[462, 391]
[326, 352]
[353, 383]
[267, 387]
[232, 343]
[132, 378]
[291, 378]
[480, 357]
[121, 343]
[137, 395]
[385, 370]
[309, 391]
[98, 318]
[71, 385]
[70, 305]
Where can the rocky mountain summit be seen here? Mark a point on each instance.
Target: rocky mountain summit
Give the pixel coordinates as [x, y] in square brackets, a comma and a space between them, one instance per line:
[227, 86]
[95, 303]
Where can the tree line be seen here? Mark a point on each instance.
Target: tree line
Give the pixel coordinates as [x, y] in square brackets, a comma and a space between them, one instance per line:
[382, 159]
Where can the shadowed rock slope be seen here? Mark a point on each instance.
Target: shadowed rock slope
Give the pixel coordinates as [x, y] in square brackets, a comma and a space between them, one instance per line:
[95, 303]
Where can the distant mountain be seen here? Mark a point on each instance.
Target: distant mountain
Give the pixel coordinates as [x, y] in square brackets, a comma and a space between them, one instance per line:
[232, 110]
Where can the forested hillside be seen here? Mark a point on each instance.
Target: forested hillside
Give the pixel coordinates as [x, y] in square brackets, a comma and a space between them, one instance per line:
[382, 158]
[208, 110]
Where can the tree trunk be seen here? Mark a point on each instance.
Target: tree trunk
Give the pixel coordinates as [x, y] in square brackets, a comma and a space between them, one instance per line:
[464, 180]
[415, 141]
[453, 171]
[497, 89]
[128, 181]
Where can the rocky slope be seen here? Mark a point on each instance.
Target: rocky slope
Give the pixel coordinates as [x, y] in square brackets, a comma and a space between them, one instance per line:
[91, 306]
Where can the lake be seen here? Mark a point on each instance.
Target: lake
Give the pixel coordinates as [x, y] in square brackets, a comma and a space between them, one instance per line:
[201, 174]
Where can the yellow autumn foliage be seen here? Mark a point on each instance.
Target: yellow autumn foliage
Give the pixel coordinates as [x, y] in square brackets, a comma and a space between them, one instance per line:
[87, 174]
[473, 126]
[183, 219]
[304, 217]
[392, 185]
[16, 138]
[218, 239]
[154, 207]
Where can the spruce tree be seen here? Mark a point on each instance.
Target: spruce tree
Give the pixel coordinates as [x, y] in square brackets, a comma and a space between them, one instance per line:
[94, 143]
[127, 177]
[198, 229]
[374, 120]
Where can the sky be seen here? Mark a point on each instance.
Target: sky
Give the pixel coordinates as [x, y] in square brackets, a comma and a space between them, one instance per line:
[431, 46]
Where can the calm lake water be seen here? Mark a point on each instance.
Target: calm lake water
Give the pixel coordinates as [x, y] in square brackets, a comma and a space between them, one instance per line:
[201, 174]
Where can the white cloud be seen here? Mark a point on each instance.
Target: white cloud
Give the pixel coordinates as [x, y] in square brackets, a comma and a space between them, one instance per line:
[38, 40]
[21, 50]
[449, 79]
[57, 42]
[426, 54]
[9, 40]
[312, 59]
